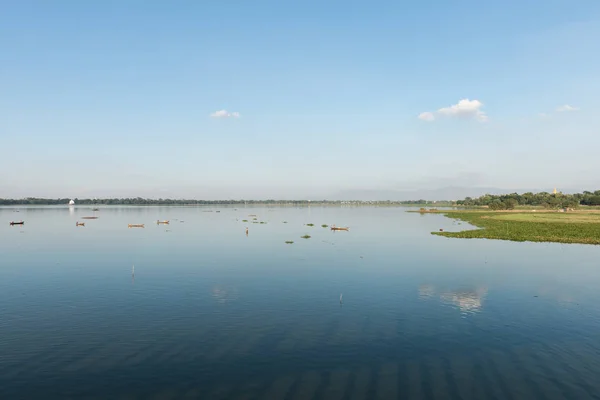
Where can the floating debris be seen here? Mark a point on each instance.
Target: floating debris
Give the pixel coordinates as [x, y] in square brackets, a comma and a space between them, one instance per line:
[79, 223]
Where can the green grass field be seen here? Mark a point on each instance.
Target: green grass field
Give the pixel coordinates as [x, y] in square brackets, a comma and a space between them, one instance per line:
[575, 227]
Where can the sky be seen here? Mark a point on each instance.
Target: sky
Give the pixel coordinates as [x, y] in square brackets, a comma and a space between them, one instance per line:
[305, 99]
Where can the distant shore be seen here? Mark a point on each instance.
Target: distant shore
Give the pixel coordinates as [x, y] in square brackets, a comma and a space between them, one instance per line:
[188, 202]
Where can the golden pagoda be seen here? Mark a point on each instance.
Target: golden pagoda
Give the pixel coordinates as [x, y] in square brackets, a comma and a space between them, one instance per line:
[554, 191]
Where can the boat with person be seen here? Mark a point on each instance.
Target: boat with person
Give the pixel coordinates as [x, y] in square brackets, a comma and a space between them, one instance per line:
[17, 222]
[162, 222]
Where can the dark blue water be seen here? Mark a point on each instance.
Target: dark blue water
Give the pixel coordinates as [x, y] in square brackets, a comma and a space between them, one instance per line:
[214, 314]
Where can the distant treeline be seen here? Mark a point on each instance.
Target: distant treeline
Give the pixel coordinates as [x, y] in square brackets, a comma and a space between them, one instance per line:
[141, 201]
[543, 199]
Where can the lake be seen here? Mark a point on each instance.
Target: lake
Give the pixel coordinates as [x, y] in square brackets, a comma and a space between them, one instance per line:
[211, 313]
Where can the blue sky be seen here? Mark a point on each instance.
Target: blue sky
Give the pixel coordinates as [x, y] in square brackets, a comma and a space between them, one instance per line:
[114, 98]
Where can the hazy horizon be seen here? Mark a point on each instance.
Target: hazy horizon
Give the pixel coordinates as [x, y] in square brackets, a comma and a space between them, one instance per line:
[286, 101]
[444, 193]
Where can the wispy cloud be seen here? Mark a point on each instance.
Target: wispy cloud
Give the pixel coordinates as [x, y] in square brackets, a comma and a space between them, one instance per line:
[566, 108]
[225, 114]
[465, 108]
[427, 116]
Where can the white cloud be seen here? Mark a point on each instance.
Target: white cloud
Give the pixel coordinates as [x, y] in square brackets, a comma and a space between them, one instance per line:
[225, 114]
[465, 108]
[427, 116]
[566, 108]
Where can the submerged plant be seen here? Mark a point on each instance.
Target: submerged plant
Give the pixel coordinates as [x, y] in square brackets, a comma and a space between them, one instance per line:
[254, 219]
[310, 224]
[305, 237]
[289, 242]
[262, 222]
[244, 220]
[324, 226]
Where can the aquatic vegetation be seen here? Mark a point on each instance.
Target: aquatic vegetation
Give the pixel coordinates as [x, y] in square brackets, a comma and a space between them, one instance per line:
[289, 241]
[324, 226]
[262, 222]
[576, 227]
[310, 224]
[305, 237]
[285, 222]
[244, 220]
[254, 219]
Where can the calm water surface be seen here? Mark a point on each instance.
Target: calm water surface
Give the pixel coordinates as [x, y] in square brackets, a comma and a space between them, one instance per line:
[212, 313]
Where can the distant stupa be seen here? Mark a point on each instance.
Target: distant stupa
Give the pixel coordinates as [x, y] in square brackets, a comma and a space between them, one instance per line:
[554, 191]
[72, 202]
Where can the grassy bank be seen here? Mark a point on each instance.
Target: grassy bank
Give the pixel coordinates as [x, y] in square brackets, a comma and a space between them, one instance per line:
[572, 227]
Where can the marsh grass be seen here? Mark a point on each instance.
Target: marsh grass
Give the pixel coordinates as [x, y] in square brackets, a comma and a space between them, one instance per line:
[576, 227]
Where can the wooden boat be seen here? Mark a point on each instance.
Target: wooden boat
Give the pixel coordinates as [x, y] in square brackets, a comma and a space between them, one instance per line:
[17, 222]
[162, 222]
[135, 225]
[79, 223]
[339, 228]
[89, 217]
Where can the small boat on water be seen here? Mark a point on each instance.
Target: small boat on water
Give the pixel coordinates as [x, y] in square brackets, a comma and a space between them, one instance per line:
[79, 223]
[162, 222]
[95, 209]
[17, 222]
[339, 228]
[89, 217]
[135, 225]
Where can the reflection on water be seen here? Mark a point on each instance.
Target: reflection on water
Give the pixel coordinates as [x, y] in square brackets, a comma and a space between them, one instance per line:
[224, 294]
[467, 300]
[426, 292]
